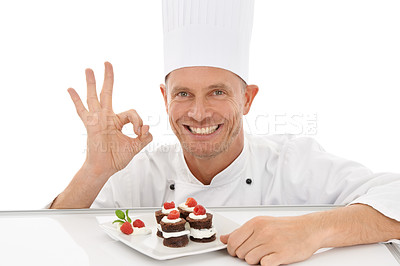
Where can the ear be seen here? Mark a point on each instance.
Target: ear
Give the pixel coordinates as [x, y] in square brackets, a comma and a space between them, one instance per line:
[165, 96]
[249, 94]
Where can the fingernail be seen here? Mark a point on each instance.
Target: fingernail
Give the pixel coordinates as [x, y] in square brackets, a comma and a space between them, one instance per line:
[139, 130]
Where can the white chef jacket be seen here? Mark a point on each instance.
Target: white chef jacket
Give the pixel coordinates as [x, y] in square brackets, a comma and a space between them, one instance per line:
[271, 170]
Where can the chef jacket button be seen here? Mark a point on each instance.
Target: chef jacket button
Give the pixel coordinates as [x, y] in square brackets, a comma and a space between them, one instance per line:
[248, 181]
[172, 186]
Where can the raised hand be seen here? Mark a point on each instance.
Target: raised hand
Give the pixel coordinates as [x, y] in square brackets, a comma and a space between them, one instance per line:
[108, 149]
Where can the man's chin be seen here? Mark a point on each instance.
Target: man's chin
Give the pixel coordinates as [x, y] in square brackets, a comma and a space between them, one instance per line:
[204, 151]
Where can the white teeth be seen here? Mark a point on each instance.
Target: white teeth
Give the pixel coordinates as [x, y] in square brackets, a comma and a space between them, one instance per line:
[203, 130]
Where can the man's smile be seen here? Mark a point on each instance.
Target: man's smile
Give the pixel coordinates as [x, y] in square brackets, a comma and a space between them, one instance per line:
[207, 130]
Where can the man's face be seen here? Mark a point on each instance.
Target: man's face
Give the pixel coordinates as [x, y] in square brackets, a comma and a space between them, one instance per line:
[205, 107]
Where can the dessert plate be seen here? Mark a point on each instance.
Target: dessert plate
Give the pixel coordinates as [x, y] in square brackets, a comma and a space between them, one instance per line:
[152, 245]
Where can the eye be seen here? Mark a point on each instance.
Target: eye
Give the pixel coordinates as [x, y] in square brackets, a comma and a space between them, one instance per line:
[218, 92]
[182, 94]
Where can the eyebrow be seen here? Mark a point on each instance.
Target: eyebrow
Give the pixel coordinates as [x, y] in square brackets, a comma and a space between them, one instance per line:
[211, 87]
[219, 86]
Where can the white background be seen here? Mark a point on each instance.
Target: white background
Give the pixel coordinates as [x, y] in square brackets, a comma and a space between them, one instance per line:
[338, 60]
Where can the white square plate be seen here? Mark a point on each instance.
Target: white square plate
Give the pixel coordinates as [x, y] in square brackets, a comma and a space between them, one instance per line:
[152, 245]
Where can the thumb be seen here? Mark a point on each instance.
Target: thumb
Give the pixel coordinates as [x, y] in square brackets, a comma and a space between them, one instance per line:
[224, 238]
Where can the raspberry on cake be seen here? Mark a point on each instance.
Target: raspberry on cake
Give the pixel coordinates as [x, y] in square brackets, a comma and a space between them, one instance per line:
[201, 229]
[174, 231]
[166, 209]
[187, 207]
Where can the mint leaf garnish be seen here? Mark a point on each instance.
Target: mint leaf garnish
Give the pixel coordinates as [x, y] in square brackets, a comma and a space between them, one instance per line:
[120, 214]
[127, 217]
[118, 221]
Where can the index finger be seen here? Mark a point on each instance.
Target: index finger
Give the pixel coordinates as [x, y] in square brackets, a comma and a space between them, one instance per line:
[106, 91]
[80, 108]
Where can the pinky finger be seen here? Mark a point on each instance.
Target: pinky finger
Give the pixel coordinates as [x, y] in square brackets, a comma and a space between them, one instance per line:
[270, 260]
[256, 254]
[80, 108]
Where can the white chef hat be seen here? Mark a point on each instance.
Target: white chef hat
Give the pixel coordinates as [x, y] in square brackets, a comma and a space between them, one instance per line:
[212, 33]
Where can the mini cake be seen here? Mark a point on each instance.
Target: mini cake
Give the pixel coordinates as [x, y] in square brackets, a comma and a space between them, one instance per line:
[201, 229]
[166, 209]
[187, 207]
[174, 231]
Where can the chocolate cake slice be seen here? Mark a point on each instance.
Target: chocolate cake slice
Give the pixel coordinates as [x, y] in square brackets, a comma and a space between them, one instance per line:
[200, 223]
[201, 228]
[173, 230]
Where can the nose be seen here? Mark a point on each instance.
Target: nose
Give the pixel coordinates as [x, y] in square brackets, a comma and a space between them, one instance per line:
[199, 110]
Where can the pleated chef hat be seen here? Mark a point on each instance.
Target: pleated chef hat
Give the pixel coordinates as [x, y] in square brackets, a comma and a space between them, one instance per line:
[213, 33]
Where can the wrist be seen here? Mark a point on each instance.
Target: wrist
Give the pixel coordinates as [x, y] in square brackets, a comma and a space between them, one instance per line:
[341, 226]
[83, 188]
[96, 173]
[323, 228]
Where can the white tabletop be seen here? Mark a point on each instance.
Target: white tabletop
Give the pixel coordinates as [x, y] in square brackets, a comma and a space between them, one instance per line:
[73, 237]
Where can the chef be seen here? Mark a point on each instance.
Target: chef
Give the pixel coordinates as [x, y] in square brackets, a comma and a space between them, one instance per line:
[206, 94]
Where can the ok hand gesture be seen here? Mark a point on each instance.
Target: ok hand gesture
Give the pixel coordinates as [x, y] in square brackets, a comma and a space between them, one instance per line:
[108, 149]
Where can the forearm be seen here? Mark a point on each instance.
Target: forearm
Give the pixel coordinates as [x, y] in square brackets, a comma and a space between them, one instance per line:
[355, 224]
[82, 190]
